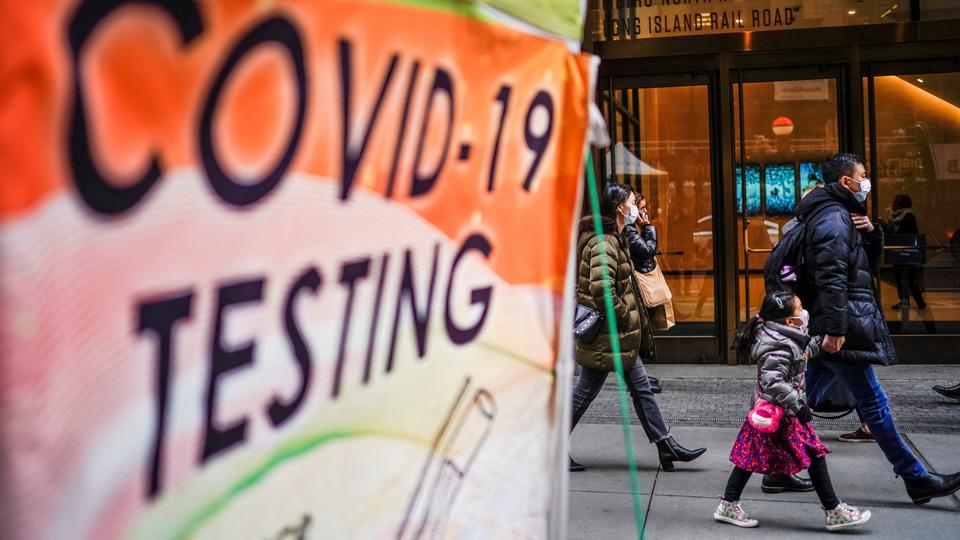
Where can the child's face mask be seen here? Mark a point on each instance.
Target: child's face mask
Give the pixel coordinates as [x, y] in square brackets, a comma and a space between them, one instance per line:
[801, 321]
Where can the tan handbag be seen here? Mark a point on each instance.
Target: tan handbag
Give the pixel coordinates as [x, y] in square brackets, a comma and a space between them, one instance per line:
[653, 288]
[657, 298]
[661, 317]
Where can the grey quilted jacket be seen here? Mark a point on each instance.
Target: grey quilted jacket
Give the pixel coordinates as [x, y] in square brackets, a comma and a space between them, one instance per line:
[781, 353]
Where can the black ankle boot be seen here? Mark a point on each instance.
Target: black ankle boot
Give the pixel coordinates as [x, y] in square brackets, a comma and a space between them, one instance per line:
[932, 485]
[950, 392]
[670, 451]
[779, 484]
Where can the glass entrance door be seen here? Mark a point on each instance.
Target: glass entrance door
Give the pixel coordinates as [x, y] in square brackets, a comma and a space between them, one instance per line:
[913, 121]
[661, 145]
[783, 130]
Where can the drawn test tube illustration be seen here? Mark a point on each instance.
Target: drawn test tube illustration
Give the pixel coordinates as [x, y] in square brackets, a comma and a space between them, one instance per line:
[456, 447]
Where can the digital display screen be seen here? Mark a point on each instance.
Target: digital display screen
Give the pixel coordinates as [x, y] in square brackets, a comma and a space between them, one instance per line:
[781, 188]
[810, 176]
[753, 190]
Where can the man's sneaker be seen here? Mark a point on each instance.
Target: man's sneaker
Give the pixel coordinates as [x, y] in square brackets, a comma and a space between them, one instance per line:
[779, 484]
[732, 513]
[845, 516]
[857, 436]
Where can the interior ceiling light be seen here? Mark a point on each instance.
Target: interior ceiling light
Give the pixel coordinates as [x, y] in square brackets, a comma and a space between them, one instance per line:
[782, 126]
[852, 12]
[919, 80]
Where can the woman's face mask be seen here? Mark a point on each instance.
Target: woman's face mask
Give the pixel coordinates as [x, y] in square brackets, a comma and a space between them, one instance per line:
[632, 216]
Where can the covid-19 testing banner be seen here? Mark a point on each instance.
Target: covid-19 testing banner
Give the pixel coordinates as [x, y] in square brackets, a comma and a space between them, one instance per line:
[286, 269]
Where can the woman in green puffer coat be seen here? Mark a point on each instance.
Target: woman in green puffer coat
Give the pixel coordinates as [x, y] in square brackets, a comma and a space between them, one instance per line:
[618, 208]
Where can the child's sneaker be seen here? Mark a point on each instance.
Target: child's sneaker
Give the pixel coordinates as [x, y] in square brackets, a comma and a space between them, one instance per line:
[732, 513]
[845, 516]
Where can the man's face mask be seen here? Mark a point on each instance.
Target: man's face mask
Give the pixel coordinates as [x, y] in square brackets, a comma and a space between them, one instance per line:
[865, 187]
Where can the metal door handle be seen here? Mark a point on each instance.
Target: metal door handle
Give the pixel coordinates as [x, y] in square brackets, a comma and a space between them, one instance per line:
[746, 244]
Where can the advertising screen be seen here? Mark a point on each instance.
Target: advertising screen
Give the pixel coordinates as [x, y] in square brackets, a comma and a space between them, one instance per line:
[753, 190]
[781, 188]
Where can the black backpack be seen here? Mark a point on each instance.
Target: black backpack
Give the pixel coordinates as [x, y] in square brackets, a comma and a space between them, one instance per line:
[782, 270]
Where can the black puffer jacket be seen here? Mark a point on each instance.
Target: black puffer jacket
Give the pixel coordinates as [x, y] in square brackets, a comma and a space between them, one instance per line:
[643, 246]
[837, 280]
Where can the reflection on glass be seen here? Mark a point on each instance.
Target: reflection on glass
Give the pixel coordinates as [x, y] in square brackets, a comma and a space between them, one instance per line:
[789, 128]
[918, 193]
[753, 190]
[662, 148]
[781, 189]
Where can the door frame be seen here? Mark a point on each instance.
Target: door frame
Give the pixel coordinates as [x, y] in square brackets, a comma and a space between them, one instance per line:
[687, 348]
[720, 73]
[933, 346]
[823, 70]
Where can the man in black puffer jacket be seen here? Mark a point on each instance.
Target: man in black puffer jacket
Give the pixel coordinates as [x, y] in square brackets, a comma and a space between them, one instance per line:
[843, 248]
[837, 287]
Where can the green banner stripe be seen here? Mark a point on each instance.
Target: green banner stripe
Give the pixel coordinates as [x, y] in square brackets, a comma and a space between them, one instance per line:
[286, 452]
[563, 18]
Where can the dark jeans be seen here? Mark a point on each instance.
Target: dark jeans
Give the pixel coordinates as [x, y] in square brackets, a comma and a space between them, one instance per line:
[819, 475]
[912, 285]
[872, 407]
[591, 382]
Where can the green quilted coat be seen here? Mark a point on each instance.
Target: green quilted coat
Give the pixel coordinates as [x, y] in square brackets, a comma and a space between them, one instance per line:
[633, 325]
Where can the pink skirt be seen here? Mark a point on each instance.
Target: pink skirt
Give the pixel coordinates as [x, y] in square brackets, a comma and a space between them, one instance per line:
[781, 453]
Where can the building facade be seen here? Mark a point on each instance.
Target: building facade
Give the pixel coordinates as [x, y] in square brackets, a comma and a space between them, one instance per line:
[720, 113]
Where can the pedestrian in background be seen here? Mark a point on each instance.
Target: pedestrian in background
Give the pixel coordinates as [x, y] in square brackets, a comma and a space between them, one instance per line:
[654, 292]
[902, 220]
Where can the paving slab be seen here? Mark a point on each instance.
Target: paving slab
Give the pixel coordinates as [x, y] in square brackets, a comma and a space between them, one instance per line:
[721, 395]
[679, 505]
[600, 448]
[941, 451]
[607, 516]
[677, 518]
[860, 472]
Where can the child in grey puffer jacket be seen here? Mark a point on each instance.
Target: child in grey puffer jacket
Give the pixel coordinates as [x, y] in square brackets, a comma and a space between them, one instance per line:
[778, 341]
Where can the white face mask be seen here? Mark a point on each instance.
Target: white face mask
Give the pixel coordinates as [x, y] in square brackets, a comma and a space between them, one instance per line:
[804, 317]
[632, 216]
[864, 190]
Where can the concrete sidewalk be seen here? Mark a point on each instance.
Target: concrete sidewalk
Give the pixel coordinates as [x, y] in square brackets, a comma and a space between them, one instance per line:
[679, 505]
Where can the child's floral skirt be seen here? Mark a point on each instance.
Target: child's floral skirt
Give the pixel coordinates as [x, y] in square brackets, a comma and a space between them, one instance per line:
[781, 453]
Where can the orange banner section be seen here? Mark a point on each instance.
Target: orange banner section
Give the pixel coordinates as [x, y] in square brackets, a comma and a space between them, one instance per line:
[284, 268]
[352, 92]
